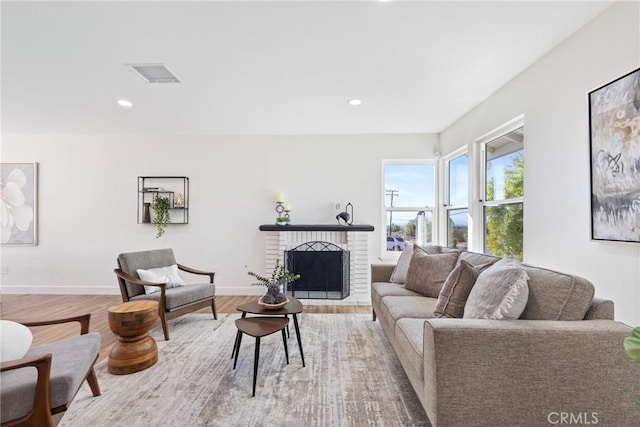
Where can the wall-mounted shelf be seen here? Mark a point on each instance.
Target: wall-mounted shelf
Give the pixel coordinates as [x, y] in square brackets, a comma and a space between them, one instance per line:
[175, 188]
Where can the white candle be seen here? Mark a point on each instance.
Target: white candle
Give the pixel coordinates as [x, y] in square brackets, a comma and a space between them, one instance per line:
[287, 207]
[280, 198]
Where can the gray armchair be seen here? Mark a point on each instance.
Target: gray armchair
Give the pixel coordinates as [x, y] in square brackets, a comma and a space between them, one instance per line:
[31, 396]
[172, 302]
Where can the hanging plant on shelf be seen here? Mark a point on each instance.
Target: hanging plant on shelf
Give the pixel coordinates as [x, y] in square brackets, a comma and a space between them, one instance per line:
[161, 208]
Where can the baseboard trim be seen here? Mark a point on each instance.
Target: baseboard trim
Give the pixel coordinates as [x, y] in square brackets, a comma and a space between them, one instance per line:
[59, 290]
[110, 290]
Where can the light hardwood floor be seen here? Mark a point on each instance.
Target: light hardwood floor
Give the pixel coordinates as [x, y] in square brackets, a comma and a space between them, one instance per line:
[37, 307]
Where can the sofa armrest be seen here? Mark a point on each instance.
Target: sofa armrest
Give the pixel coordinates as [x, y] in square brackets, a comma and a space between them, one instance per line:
[381, 272]
[528, 372]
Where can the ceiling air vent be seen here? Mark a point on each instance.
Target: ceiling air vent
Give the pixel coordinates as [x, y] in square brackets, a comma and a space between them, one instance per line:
[154, 73]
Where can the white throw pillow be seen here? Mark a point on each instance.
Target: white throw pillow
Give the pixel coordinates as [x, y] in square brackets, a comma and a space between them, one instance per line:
[16, 340]
[399, 274]
[500, 292]
[168, 275]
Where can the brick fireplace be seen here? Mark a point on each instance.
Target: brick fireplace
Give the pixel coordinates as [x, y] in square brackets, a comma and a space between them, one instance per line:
[353, 240]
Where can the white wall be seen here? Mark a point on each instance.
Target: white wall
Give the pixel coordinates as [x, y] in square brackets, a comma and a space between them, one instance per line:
[552, 95]
[88, 195]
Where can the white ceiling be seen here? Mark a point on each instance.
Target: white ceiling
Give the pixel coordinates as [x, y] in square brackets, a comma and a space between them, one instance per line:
[267, 67]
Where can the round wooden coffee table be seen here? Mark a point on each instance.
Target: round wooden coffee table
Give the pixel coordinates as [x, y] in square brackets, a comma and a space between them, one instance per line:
[135, 350]
[293, 307]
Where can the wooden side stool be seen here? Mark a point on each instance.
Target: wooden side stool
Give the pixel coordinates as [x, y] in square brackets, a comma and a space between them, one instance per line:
[135, 350]
[259, 327]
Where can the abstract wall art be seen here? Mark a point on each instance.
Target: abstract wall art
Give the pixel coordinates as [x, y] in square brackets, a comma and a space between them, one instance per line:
[18, 204]
[614, 121]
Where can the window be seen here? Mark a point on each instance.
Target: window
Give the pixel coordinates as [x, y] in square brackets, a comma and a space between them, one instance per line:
[456, 205]
[408, 203]
[503, 194]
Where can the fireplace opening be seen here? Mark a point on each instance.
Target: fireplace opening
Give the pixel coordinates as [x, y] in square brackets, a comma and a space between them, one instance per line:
[323, 268]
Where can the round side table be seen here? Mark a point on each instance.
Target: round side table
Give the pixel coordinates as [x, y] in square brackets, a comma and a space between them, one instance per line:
[135, 350]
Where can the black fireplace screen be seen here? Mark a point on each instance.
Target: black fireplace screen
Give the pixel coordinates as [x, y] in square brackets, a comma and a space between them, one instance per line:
[323, 268]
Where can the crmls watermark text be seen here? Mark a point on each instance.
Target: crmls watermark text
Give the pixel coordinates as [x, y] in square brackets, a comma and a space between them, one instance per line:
[575, 418]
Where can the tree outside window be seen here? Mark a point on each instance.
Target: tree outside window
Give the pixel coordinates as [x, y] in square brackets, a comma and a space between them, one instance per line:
[504, 195]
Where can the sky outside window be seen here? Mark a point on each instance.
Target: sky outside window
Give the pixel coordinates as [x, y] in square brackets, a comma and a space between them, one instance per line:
[496, 175]
[413, 184]
[459, 181]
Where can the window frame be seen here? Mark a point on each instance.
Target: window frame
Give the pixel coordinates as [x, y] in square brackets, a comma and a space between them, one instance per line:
[479, 177]
[428, 209]
[446, 205]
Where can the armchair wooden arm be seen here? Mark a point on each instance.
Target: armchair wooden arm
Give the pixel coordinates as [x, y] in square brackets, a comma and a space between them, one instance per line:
[200, 272]
[135, 281]
[40, 414]
[83, 319]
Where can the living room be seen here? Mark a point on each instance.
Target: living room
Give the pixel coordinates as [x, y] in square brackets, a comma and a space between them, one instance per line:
[88, 166]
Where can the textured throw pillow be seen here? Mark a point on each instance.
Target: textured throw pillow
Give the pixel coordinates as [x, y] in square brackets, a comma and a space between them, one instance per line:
[399, 274]
[455, 291]
[16, 340]
[500, 292]
[430, 249]
[168, 275]
[480, 261]
[427, 273]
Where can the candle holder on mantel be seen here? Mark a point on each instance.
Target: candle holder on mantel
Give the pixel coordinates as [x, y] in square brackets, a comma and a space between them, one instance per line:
[283, 214]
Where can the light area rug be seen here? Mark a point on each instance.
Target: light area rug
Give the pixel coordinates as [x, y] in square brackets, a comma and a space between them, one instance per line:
[352, 378]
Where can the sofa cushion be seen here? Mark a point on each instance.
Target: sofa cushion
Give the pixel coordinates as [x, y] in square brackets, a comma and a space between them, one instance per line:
[556, 296]
[500, 292]
[383, 289]
[427, 273]
[455, 291]
[410, 343]
[409, 306]
[600, 309]
[177, 297]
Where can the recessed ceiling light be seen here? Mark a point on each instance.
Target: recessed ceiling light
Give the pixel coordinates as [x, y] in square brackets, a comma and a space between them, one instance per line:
[354, 101]
[125, 103]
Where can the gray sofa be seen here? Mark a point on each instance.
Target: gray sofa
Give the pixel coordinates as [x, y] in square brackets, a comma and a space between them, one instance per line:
[561, 362]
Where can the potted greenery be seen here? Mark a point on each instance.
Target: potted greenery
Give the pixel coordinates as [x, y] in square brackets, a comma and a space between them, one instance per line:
[274, 298]
[632, 345]
[282, 220]
[161, 206]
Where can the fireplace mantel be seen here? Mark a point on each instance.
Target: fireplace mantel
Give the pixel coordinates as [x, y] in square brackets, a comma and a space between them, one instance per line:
[317, 227]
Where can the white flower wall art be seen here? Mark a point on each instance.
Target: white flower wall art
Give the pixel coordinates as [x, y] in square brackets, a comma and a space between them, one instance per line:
[18, 204]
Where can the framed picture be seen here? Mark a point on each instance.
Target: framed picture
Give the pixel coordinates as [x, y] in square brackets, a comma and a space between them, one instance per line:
[18, 204]
[614, 122]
